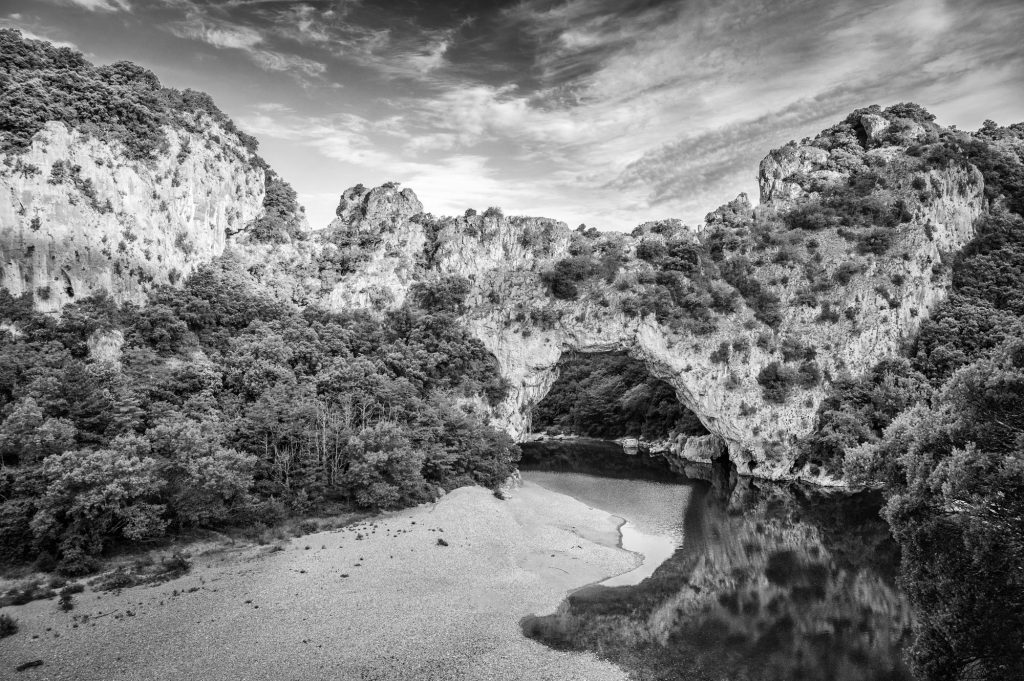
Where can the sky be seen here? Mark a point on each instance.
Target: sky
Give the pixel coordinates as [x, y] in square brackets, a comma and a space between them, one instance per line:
[607, 113]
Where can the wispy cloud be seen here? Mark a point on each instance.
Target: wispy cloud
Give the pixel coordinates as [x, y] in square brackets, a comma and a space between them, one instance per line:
[222, 33]
[100, 5]
[609, 112]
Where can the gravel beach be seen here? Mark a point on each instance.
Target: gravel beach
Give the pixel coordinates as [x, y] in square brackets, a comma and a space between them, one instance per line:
[395, 604]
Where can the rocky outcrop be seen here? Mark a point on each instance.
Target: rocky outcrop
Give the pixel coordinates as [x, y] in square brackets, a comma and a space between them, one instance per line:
[78, 217]
[719, 307]
[863, 307]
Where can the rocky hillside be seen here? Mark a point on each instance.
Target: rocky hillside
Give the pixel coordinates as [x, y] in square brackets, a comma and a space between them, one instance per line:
[113, 183]
[749, 318]
[110, 182]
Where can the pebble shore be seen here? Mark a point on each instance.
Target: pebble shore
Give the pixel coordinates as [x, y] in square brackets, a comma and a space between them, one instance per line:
[384, 599]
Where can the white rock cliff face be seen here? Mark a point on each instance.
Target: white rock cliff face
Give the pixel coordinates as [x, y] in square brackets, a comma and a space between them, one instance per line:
[511, 312]
[116, 225]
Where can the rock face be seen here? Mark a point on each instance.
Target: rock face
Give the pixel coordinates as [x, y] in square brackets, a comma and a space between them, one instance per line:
[871, 304]
[77, 217]
[816, 299]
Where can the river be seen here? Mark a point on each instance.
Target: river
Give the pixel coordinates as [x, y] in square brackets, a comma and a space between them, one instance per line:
[759, 582]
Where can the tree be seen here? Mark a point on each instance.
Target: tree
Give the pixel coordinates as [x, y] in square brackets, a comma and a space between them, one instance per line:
[955, 471]
[94, 497]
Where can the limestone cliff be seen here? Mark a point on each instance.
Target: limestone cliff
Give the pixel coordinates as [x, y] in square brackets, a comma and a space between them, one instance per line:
[748, 318]
[78, 217]
[756, 292]
[111, 182]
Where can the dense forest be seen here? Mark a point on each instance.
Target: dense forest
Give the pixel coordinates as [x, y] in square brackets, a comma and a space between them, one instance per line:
[216, 405]
[611, 395]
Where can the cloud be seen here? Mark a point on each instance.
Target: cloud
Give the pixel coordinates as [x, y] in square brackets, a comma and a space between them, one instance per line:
[277, 61]
[100, 5]
[225, 34]
[220, 35]
[608, 112]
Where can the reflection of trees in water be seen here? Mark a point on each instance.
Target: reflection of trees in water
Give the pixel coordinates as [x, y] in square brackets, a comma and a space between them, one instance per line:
[765, 587]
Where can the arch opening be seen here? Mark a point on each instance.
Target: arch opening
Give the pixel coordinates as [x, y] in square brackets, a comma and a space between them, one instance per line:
[607, 413]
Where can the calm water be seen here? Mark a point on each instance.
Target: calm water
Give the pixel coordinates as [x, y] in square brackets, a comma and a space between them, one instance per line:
[760, 582]
[653, 512]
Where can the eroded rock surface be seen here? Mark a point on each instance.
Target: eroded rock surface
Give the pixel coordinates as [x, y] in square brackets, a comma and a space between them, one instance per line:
[869, 303]
[77, 216]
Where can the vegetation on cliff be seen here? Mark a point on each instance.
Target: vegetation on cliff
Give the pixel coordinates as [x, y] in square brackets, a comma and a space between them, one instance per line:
[943, 431]
[217, 405]
[120, 103]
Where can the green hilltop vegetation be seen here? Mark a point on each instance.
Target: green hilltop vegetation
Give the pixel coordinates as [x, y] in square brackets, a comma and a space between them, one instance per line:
[230, 408]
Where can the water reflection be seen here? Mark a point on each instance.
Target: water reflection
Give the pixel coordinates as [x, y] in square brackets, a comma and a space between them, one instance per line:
[652, 510]
[771, 582]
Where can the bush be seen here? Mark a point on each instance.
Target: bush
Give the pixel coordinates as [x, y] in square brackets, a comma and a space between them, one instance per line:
[777, 382]
[878, 242]
[721, 355]
[8, 625]
[94, 497]
[447, 294]
[562, 280]
[845, 272]
[282, 217]
[652, 250]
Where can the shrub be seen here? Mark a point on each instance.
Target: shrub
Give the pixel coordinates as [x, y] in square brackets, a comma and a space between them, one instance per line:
[777, 382]
[878, 242]
[58, 173]
[652, 250]
[793, 350]
[281, 219]
[563, 278]
[828, 314]
[845, 272]
[8, 625]
[494, 212]
[94, 497]
[447, 294]
[721, 355]
[809, 374]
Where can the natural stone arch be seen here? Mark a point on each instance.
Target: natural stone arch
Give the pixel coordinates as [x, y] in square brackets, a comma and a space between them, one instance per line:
[511, 309]
[531, 366]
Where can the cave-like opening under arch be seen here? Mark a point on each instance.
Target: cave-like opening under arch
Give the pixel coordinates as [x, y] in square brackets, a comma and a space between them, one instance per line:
[608, 413]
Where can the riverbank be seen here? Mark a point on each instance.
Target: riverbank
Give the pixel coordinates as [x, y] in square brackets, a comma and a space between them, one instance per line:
[384, 599]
